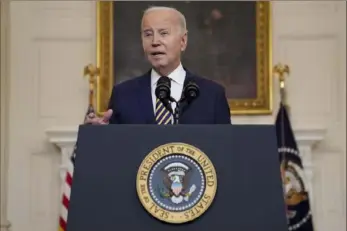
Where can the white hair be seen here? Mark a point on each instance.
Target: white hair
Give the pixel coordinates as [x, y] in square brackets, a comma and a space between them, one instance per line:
[180, 15]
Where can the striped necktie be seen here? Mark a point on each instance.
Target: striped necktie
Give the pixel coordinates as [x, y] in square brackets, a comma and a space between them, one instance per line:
[162, 114]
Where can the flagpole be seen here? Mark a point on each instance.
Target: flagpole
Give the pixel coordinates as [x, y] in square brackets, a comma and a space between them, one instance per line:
[280, 70]
[91, 72]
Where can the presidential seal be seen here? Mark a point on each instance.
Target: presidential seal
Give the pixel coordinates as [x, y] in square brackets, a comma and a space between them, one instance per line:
[176, 183]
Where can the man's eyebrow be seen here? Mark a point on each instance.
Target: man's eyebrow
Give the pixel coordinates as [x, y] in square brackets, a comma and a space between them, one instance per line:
[146, 30]
[166, 28]
[160, 29]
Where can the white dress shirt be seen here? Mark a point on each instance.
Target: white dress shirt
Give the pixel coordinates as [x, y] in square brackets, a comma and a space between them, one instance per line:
[177, 81]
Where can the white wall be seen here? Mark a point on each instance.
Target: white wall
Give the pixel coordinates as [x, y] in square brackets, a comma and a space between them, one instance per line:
[52, 41]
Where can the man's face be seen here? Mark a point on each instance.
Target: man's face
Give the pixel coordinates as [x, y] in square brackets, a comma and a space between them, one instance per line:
[163, 39]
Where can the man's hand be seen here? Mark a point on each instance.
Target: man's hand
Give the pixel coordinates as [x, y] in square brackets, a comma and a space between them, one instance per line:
[91, 118]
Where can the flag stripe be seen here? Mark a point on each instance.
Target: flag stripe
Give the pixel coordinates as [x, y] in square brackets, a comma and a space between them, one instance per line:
[66, 196]
[64, 212]
[67, 191]
[62, 224]
[68, 179]
[66, 201]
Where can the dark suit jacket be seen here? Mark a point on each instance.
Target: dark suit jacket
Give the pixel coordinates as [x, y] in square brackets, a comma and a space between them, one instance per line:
[131, 102]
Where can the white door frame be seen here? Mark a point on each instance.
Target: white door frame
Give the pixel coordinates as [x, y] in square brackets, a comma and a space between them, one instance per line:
[4, 80]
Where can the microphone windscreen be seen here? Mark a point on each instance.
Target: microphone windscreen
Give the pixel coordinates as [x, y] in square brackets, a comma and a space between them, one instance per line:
[191, 90]
[164, 80]
[162, 90]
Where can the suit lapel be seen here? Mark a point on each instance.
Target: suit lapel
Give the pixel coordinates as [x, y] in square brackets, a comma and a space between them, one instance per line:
[145, 98]
[189, 76]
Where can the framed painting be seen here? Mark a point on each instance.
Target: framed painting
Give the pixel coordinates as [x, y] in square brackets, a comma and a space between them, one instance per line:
[228, 42]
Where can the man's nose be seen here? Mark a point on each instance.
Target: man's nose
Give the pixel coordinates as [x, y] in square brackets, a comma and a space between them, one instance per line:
[155, 41]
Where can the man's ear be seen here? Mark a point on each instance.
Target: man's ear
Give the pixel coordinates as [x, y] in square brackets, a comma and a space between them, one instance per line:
[184, 41]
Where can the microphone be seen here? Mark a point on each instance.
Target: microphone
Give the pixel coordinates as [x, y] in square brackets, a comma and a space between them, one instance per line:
[163, 89]
[191, 91]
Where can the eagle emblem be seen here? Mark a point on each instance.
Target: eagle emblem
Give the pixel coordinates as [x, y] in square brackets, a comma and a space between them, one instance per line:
[293, 186]
[176, 178]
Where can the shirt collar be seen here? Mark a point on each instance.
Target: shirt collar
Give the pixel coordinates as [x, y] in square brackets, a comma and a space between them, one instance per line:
[177, 75]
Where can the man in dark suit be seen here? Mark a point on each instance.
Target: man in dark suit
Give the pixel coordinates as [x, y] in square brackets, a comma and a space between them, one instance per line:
[164, 38]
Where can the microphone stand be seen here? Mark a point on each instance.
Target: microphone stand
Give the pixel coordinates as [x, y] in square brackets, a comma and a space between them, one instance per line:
[176, 113]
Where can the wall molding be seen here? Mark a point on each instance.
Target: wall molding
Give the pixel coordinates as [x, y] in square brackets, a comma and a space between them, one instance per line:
[4, 80]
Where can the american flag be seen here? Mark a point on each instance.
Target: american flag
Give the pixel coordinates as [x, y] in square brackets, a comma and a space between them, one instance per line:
[68, 185]
[66, 192]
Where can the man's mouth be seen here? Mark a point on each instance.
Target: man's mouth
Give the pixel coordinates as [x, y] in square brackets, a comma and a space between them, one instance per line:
[157, 53]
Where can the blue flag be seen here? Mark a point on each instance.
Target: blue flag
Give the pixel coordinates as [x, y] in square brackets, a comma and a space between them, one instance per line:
[295, 193]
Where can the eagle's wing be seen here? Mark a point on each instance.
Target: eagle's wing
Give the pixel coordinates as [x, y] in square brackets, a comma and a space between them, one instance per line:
[186, 180]
[166, 180]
